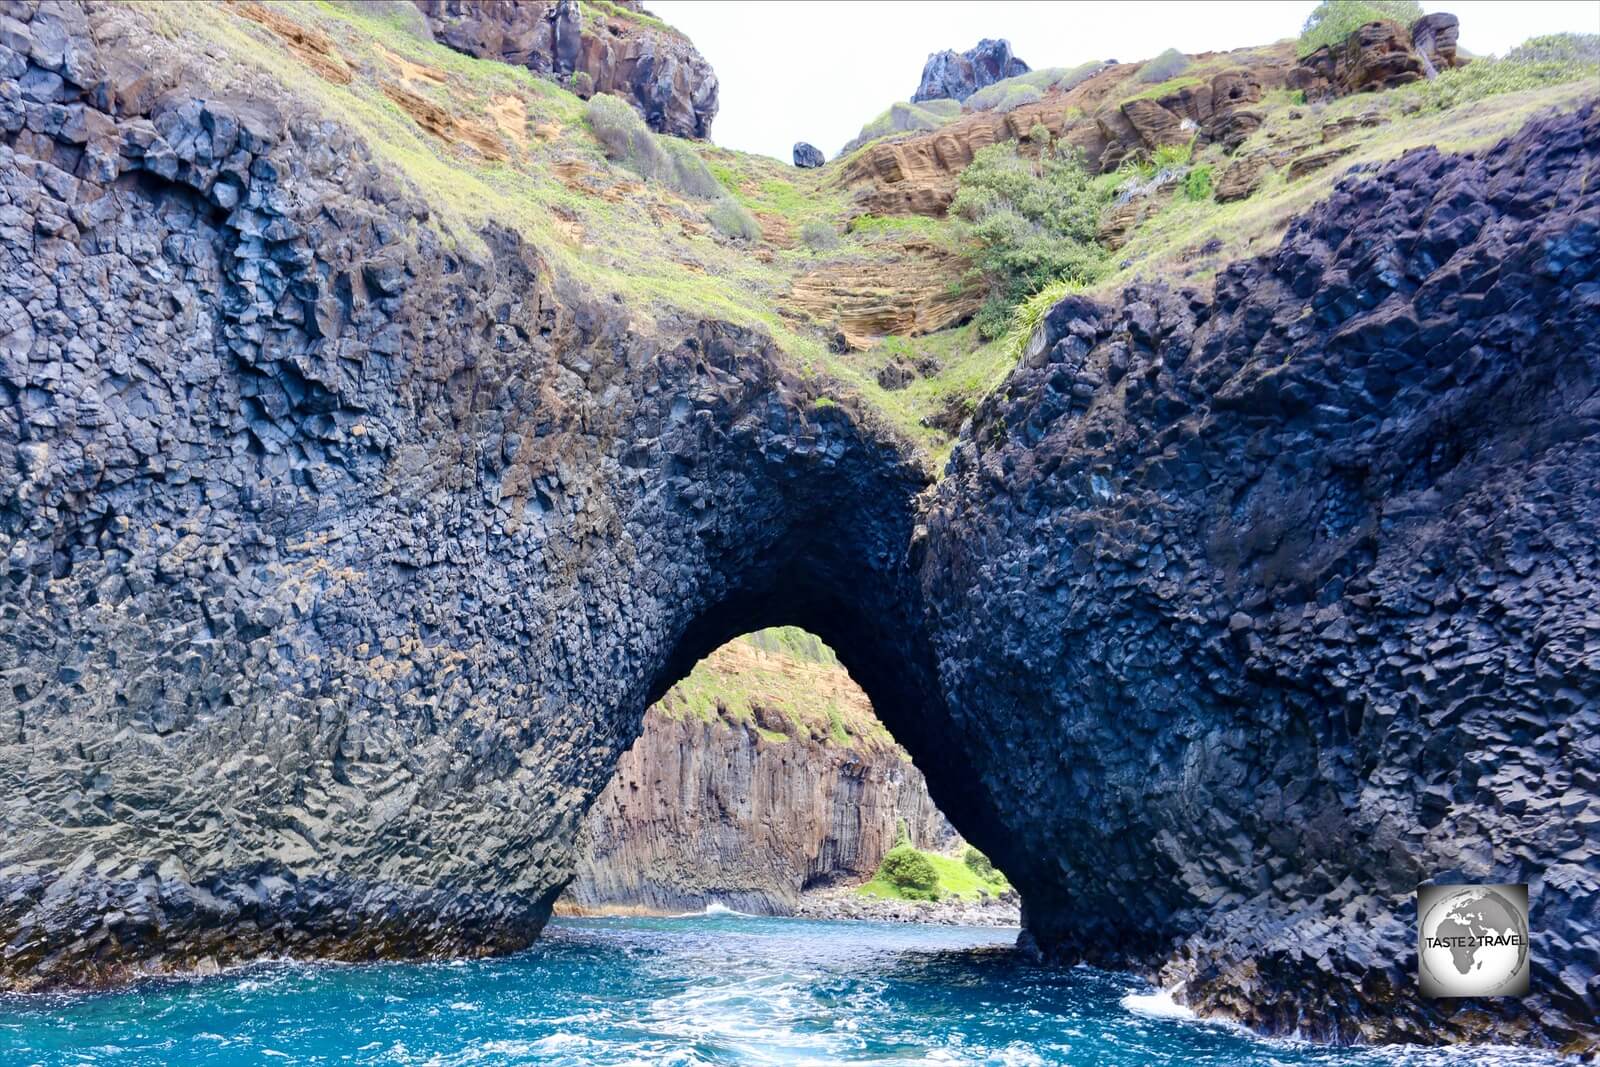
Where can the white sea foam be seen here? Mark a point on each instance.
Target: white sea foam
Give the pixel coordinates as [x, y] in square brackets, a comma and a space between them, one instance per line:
[1157, 1005]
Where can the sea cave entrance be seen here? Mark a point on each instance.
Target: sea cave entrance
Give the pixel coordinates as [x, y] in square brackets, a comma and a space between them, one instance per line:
[764, 782]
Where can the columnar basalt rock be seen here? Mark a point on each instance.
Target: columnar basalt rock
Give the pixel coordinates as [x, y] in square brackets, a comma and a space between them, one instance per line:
[340, 564]
[1268, 606]
[715, 812]
[655, 69]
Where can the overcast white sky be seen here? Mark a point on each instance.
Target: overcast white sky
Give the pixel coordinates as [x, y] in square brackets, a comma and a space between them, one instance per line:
[816, 70]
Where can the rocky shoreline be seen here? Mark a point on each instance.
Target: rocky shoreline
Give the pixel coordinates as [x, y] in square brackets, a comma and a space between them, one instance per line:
[844, 903]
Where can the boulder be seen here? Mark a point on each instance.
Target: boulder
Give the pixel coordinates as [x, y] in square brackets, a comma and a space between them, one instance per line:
[957, 75]
[1242, 178]
[808, 156]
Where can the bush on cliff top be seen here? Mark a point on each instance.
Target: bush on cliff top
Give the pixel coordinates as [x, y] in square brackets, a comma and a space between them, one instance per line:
[1048, 80]
[1537, 63]
[1167, 65]
[906, 117]
[1331, 21]
[1031, 222]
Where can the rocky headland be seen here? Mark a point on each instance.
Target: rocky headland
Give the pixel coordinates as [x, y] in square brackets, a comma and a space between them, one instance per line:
[375, 449]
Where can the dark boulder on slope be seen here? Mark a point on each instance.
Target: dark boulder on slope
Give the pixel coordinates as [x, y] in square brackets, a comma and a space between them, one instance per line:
[957, 75]
[1261, 609]
[808, 156]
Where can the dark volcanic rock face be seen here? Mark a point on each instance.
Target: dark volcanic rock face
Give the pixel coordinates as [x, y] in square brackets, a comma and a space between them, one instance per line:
[656, 70]
[957, 75]
[1254, 612]
[339, 566]
[703, 812]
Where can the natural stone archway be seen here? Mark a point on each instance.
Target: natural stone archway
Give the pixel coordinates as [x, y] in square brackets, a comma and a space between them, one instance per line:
[341, 562]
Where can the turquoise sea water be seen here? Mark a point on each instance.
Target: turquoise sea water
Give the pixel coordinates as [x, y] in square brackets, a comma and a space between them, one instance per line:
[719, 989]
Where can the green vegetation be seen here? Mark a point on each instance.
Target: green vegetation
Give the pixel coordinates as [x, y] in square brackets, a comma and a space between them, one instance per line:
[978, 863]
[905, 117]
[1331, 21]
[1165, 67]
[1032, 223]
[629, 141]
[909, 873]
[995, 97]
[1542, 61]
[819, 236]
[730, 218]
[792, 677]
[1197, 184]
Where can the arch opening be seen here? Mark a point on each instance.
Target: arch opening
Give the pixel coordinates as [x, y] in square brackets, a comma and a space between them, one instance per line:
[763, 781]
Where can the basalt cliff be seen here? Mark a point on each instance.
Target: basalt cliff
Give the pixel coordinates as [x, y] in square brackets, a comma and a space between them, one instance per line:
[348, 534]
[761, 776]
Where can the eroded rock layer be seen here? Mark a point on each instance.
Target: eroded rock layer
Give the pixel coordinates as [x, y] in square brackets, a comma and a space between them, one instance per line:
[1254, 611]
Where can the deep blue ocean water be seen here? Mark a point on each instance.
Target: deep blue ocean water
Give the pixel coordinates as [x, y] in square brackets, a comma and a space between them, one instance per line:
[718, 989]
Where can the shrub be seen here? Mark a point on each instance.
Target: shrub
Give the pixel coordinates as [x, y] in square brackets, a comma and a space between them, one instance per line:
[1168, 64]
[1197, 184]
[1331, 21]
[910, 872]
[1540, 62]
[1577, 48]
[819, 236]
[688, 173]
[628, 141]
[730, 218]
[978, 864]
[906, 117]
[1039, 134]
[583, 83]
[624, 136]
[1032, 223]
[1051, 79]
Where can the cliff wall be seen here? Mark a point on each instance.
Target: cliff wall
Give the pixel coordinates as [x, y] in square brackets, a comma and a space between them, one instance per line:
[702, 812]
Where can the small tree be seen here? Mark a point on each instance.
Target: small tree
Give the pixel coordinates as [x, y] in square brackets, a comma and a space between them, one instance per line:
[1331, 21]
[910, 872]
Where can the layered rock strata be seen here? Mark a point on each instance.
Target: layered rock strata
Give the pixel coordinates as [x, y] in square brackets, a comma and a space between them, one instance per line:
[652, 67]
[1380, 55]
